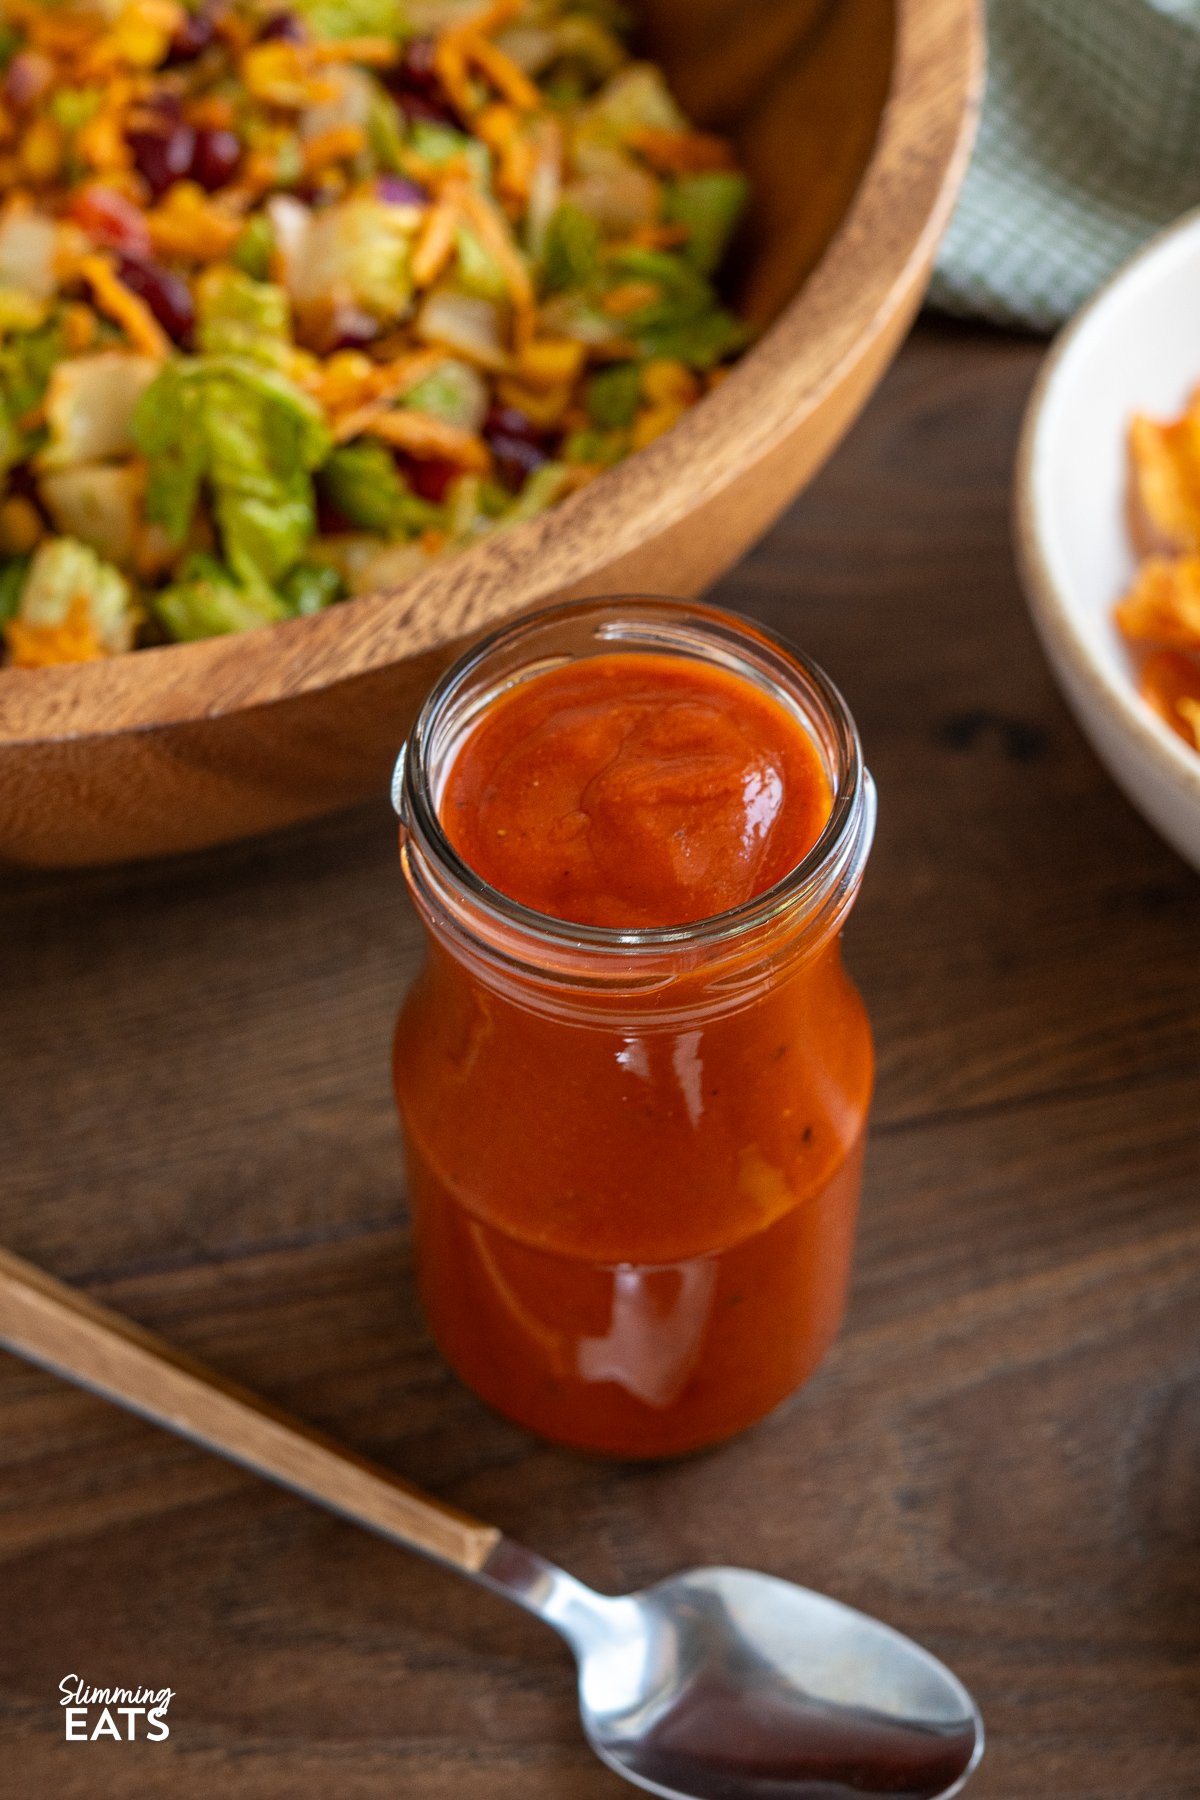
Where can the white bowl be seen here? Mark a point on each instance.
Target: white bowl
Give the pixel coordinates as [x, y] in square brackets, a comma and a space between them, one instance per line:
[1134, 348]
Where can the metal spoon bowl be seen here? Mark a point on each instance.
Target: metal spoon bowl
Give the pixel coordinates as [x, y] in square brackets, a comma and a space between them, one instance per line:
[725, 1684]
[718, 1684]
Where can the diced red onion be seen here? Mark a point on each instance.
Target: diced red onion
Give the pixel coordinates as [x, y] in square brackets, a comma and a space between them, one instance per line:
[398, 190]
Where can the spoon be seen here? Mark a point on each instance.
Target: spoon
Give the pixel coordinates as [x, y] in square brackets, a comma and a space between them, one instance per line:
[717, 1684]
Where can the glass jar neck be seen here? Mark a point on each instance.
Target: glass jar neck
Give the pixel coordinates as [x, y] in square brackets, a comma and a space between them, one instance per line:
[727, 955]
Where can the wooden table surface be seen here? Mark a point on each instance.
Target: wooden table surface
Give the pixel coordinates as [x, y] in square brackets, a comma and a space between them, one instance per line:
[1002, 1453]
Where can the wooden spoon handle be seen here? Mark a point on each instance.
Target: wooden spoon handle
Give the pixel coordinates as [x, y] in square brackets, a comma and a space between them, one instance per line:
[50, 1324]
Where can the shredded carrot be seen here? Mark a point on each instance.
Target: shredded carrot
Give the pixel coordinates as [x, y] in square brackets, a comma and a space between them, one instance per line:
[78, 327]
[681, 152]
[630, 297]
[124, 307]
[495, 236]
[420, 434]
[658, 237]
[435, 246]
[372, 52]
[339, 144]
[503, 73]
[493, 18]
[349, 382]
[211, 112]
[450, 62]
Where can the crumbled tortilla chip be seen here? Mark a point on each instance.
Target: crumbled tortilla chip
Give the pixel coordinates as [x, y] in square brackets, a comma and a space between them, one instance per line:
[1163, 605]
[1166, 481]
[1170, 683]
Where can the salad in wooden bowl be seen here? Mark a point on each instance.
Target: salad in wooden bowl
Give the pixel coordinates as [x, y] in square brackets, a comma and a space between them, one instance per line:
[537, 193]
[297, 295]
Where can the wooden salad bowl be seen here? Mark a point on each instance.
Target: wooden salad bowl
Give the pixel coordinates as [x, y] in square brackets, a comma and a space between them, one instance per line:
[853, 119]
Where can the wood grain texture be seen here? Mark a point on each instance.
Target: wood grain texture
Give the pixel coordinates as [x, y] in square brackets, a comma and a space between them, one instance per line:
[60, 1329]
[1002, 1453]
[854, 118]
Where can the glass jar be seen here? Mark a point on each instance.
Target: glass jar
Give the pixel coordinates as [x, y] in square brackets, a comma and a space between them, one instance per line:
[633, 1156]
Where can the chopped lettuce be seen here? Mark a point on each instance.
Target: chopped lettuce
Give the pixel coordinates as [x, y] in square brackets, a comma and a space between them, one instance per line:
[208, 602]
[542, 490]
[26, 363]
[437, 144]
[597, 447]
[29, 248]
[571, 252]
[478, 270]
[20, 311]
[89, 407]
[709, 205]
[353, 18]
[252, 252]
[72, 107]
[310, 587]
[612, 396]
[62, 572]
[701, 343]
[254, 438]
[454, 392]
[376, 252]
[360, 248]
[363, 483]
[239, 316]
[98, 503]
[385, 131]
[465, 517]
[636, 99]
[582, 52]
[685, 321]
[13, 575]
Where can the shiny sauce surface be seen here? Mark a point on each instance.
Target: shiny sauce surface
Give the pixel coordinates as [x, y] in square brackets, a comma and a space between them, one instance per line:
[634, 1220]
[635, 790]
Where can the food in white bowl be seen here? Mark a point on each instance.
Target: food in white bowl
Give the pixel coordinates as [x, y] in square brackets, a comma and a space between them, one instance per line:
[1133, 352]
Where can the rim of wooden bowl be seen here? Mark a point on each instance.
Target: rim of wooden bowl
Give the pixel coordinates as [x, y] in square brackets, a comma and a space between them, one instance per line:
[902, 203]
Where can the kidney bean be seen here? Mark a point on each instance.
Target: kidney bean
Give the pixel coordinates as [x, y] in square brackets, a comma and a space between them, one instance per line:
[351, 328]
[430, 477]
[417, 86]
[216, 159]
[194, 37]
[163, 157]
[285, 27]
[511, 422]
[166, 294]
[515, 459]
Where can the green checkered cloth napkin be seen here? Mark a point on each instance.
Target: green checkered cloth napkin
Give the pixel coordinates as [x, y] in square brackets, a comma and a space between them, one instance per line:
[1089, 142]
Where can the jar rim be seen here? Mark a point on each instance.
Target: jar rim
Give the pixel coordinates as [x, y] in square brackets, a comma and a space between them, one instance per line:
[834, 860]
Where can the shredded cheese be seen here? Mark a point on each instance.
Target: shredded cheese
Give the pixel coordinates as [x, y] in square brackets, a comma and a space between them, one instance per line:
[124, 307]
